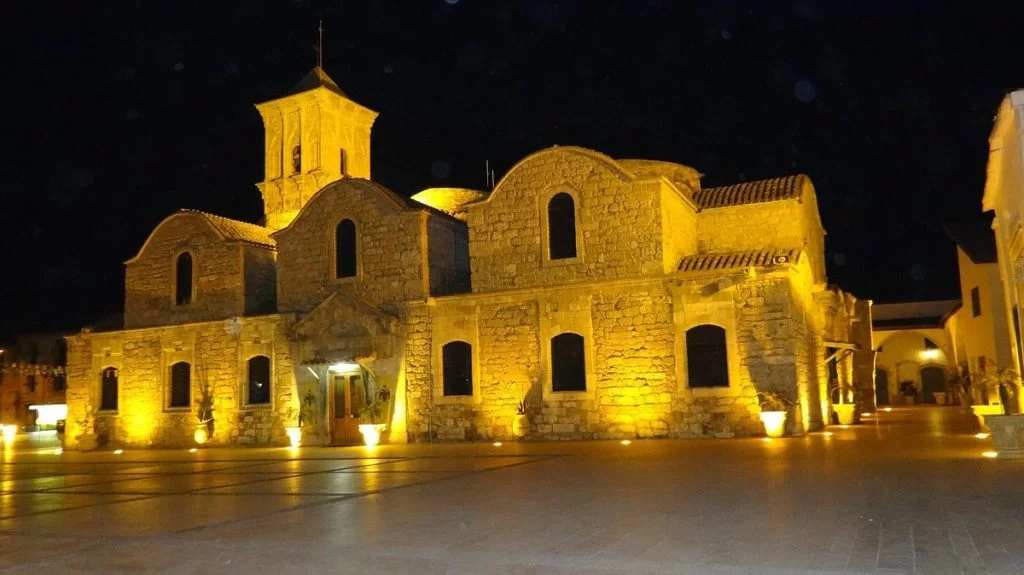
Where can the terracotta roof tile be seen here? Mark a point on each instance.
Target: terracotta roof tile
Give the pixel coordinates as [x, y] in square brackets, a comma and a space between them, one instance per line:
[737, 260]
[757, 192]
[235, 230]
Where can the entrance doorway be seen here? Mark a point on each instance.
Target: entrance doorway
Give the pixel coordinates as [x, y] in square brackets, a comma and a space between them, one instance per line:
[933, 379]
[348, 400]
[881, 387]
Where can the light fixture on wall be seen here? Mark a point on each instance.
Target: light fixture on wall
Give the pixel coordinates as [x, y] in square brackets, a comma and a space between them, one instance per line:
[933, 353]
[9, 431]
[344, 367]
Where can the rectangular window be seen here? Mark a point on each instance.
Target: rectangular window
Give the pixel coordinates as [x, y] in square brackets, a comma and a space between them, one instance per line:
[975, 301]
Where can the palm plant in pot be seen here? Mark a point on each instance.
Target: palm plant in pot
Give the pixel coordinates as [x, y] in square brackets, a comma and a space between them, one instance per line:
[521, 421]
[989, 384]
[380, 406]
[845, 406]
[1007, 428]
[773, 412]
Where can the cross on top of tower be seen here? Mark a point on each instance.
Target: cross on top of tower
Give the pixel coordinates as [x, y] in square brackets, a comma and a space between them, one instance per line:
[320, 45]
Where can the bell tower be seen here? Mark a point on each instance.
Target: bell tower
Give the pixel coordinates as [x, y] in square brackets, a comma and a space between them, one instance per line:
[314, 135]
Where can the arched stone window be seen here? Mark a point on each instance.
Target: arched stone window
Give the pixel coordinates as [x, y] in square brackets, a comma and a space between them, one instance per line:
[568, 363]
[345, 249]
[181, 385]
[707, 361]
[561, 227]
[183, 279]
[108, 389]
[457, 365]
[259, 380]
[296, 159]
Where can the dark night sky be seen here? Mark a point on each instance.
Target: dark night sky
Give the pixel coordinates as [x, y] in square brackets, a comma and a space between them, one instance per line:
[117, 114]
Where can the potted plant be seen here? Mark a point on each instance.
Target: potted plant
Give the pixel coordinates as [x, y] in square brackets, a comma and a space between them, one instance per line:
[773, 413]
[989, 384]
[845, 407]
[294, 433]
[1007, 428]
[960, 385]
[521, 421]
[371, 431]
[908, 392]
[204, 413]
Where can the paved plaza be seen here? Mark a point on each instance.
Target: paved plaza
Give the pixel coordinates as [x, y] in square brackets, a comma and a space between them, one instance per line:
[906, 492]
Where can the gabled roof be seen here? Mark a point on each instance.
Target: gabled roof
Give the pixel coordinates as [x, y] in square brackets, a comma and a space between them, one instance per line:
[757, 192]
[975, 237]
[316, 78]
[235, 230]
[738, 260]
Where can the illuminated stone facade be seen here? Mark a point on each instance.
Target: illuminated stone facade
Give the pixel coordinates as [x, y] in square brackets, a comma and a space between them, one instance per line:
[579, 286]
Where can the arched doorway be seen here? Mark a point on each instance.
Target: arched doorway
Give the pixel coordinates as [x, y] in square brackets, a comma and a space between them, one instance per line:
[933, 379]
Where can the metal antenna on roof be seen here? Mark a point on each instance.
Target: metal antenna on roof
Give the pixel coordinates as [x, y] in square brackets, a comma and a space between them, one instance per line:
[320, 45]
[487, 174]
[492, 179]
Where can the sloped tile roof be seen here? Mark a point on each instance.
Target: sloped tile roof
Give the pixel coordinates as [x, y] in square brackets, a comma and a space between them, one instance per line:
[756, 192]
[235, 230]
[316, 78]
[738, 260]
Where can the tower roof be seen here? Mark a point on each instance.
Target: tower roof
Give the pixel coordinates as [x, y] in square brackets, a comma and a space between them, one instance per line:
[316, 78]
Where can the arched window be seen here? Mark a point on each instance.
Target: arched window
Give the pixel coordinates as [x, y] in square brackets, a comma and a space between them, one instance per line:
[108, 389]
[345, 249]
[296, 159]
[561, 227]
[707, 363]
[568, 365]
[259, 380]
[183, 279]
[181, 385]
[457, 363]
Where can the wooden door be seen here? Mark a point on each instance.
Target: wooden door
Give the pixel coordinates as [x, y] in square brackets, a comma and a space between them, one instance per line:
[881, 387]
[932, 379]
[348, 400]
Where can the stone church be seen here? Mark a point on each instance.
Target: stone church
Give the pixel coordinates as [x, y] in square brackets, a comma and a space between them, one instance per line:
[600, 297]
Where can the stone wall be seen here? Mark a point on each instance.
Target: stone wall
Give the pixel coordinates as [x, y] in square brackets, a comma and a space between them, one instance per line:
[751, 227]
[217, 275]
[260, 280]
[618, 223]
[636, 380]
[448, 255]
[391, 258]
[678, 227]
[218, 353]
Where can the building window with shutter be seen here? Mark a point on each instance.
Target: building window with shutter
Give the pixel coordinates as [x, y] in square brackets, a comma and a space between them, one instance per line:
[707, 359]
